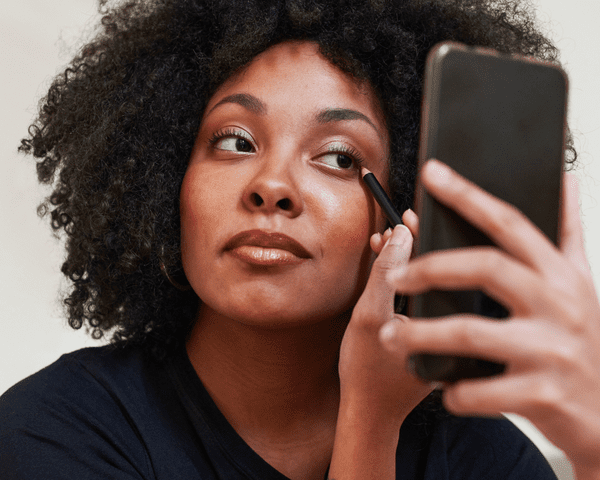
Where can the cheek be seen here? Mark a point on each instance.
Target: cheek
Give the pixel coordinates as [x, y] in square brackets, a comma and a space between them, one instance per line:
[351, 220]
[188, 207]
[201, 208]
[205, 199]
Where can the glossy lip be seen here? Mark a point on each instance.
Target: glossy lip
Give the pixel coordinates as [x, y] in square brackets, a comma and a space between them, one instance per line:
[266, 240]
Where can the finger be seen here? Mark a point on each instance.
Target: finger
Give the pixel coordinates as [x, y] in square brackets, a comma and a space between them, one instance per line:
[538, 396]
[395, 250]
[410, 219]
[378, 296]
[521, 344]
[571, 233]
[508, 281]
[502, 222]
[526, 394]
[378, 240]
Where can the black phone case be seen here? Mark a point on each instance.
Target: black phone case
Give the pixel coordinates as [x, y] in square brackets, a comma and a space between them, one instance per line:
[499, 121]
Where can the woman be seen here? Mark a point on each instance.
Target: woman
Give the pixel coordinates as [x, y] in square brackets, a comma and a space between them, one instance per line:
[205, 158]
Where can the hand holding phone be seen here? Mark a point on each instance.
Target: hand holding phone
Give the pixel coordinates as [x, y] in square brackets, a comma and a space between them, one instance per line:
[499, 121]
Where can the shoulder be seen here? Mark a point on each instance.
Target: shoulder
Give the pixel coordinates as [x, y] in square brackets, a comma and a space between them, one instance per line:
[435, 445]
[493, 448]
[85, 378]
[72, 413]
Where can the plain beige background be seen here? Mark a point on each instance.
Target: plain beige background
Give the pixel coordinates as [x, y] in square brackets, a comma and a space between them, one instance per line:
[39, 36]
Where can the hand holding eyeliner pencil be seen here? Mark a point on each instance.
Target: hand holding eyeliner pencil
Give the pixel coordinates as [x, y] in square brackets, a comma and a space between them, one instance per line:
[392, 215]
[382, 199]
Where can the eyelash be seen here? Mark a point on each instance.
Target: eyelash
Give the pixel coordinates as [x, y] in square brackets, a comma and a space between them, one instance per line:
[342, 149]
[350, 152]
[228, 132]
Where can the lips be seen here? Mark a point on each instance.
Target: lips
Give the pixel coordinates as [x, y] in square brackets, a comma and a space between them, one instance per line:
[266, 248]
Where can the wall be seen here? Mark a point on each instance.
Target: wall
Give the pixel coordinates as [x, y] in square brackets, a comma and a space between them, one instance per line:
[39, 36]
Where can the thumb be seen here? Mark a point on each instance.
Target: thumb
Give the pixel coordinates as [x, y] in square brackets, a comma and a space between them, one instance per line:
[379, 292]
[395, 252]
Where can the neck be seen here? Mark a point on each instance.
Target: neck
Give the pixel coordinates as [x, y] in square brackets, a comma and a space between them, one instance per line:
[270, 383]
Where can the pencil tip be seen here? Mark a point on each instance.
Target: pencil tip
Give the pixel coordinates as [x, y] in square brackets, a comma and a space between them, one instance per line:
[364, 171]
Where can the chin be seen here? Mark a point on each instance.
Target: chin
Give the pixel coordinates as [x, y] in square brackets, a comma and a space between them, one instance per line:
[275, 319]
[272, 316]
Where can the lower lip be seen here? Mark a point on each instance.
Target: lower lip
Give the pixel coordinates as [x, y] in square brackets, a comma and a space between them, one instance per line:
[267, 257]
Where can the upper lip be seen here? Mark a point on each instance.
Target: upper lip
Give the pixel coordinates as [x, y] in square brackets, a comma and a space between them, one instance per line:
[260, 238]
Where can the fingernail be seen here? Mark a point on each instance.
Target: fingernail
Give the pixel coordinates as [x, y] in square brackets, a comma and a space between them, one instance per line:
[387, 235]
[438, 172]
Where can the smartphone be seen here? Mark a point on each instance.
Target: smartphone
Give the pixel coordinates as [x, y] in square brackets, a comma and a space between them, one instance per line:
[498, 120]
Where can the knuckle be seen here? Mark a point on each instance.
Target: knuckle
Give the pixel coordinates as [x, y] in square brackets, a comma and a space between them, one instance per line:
[390, 276]
[459, 400]
[382, 272]
[508, 219]
[570, 308]
[364, 320]
[390, 262]
[578, 314]
[425, 268]
[490, 261]
[577, 319]
[567, 356]
[383, 265]
[465, 335]
[547, 396]
[394, 275]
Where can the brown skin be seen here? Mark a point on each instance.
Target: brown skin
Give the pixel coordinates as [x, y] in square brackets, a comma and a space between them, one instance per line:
[325, 208]
[551, 343]
[299, 346]
[267, 339]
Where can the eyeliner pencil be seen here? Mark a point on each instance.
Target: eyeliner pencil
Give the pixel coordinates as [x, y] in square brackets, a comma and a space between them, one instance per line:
[381, 197]
[392, 215]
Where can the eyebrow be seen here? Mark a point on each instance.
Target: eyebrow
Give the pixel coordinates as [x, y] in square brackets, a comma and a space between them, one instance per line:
[249, 102]
[256, 106]
[342, 114]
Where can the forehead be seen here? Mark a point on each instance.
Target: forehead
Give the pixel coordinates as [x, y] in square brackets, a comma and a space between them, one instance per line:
[294, 77]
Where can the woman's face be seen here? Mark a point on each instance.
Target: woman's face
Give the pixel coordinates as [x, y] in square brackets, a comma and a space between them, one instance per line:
[275, 219]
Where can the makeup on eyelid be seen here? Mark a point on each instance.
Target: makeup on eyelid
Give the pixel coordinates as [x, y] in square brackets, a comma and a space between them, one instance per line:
[230, 137]
[300, 179]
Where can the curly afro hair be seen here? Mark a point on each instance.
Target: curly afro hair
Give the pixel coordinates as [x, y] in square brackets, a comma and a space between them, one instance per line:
[116, 129]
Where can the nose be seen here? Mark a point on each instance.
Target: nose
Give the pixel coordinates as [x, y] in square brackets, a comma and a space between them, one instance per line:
[273, 189]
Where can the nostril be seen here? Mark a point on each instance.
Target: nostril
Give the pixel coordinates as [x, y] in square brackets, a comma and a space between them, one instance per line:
[284, 203]
[257, 199]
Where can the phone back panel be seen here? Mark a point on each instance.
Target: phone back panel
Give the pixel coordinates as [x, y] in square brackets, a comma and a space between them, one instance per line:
[499, 121]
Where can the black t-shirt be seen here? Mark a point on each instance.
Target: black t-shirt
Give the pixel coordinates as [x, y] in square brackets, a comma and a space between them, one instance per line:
[101, 413]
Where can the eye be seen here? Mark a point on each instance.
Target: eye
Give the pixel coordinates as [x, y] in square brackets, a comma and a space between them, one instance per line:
[233, 144]
[341, 157]
[233, 141]
[338, 160]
